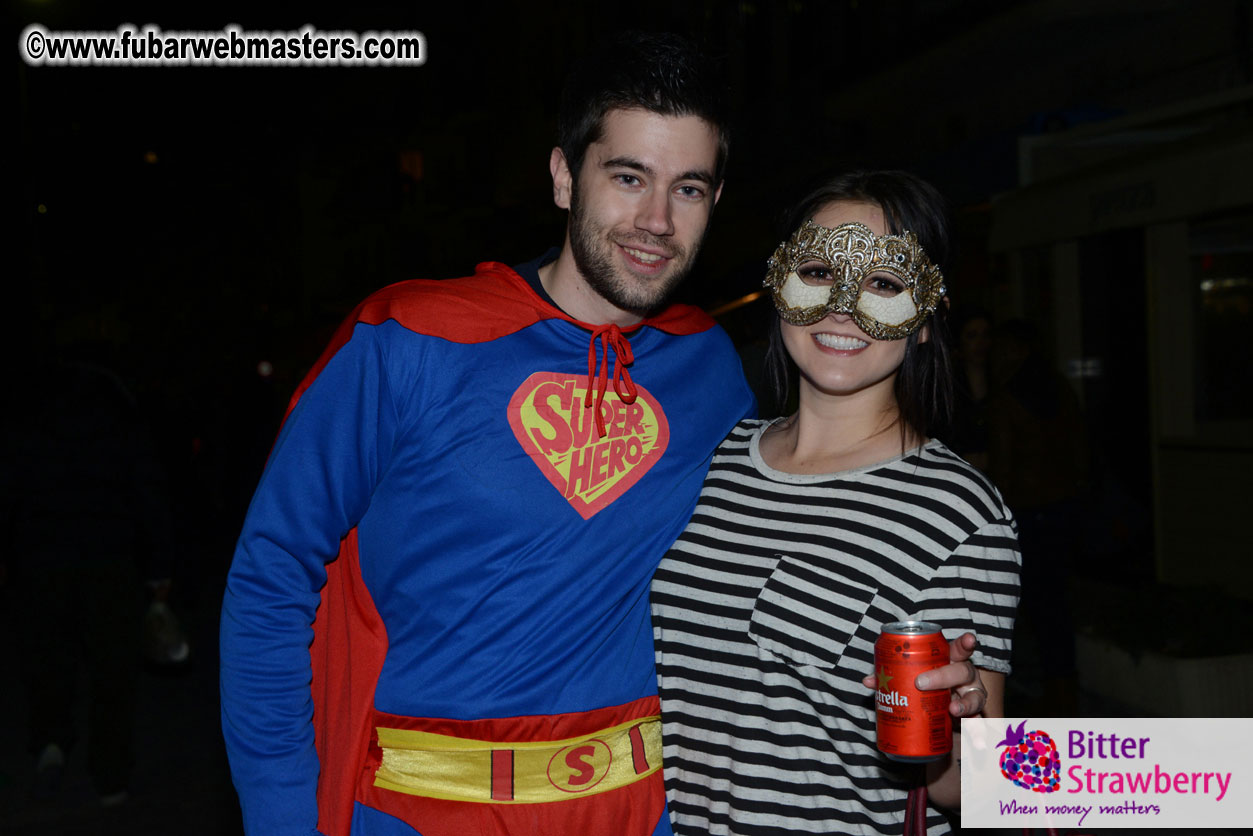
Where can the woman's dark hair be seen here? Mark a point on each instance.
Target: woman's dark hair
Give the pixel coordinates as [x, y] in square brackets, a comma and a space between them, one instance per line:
[924, 386]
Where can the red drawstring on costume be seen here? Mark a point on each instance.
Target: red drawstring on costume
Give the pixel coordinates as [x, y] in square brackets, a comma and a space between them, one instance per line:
[611, 338]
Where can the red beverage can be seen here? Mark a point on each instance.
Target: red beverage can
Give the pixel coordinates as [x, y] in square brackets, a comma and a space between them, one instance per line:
[913, 726]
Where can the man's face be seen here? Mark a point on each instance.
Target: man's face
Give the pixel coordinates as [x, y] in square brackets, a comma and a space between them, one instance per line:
[640, 207]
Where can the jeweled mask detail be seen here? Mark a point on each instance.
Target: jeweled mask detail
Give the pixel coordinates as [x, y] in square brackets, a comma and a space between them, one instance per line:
[886, 283]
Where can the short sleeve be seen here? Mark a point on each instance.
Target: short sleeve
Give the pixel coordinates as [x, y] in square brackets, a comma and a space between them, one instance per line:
[977, 590]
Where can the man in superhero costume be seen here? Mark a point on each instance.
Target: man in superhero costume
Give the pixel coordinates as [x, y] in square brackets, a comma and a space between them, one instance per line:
[455, 532]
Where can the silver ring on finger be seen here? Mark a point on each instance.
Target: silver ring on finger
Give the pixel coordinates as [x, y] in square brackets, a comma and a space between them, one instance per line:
[970, 689]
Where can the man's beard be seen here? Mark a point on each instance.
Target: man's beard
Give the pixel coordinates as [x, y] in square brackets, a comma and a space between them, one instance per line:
[592, 249]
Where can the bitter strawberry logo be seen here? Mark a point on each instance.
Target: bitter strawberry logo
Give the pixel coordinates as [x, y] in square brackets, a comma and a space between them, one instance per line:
[1030, 759]
[558, 432]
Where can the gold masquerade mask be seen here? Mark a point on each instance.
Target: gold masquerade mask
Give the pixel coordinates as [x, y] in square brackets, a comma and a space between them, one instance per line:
[885, 283]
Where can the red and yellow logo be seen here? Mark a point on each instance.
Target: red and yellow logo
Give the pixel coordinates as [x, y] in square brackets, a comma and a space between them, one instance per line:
[559, 434]
[578, 768]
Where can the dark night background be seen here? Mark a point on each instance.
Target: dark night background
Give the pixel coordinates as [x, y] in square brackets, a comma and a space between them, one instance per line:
[185, 225]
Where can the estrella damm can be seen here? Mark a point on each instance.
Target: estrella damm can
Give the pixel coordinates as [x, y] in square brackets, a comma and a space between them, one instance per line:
[913, 726]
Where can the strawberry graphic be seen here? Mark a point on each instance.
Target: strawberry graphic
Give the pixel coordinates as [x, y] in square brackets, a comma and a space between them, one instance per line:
[1030, 759]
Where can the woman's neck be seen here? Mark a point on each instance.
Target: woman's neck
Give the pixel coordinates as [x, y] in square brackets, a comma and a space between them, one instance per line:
[833, 433]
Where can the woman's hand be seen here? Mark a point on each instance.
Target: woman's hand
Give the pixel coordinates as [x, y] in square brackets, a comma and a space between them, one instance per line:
[975, 692]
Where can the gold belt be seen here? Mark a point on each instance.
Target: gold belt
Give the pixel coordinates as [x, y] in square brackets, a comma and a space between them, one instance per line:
[518, 772]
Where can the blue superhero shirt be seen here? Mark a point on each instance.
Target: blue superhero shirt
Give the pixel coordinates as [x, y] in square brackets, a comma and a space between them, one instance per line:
[470, 492]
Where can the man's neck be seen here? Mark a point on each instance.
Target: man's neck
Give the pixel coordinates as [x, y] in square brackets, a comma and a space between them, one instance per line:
[567, 287]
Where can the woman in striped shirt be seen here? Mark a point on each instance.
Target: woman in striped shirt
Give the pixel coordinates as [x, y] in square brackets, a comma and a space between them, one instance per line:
[815, 530]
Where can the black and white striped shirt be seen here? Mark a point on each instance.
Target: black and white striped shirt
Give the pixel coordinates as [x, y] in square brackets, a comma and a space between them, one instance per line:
[765, 614]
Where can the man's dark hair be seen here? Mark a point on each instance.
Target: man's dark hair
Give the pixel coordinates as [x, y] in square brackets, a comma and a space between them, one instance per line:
[661, 73]
[924, 386]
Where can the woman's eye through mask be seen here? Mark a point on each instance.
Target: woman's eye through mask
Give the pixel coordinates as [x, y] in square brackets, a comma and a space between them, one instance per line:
[885, 283]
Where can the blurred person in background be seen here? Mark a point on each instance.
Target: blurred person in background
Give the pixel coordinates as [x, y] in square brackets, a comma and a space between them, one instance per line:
[88, 523]
[1038, 455]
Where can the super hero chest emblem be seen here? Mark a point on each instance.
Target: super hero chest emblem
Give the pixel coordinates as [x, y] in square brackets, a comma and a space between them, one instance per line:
[558, 432]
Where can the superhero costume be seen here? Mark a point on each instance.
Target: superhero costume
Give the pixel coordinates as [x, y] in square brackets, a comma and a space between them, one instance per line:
[486, 487]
